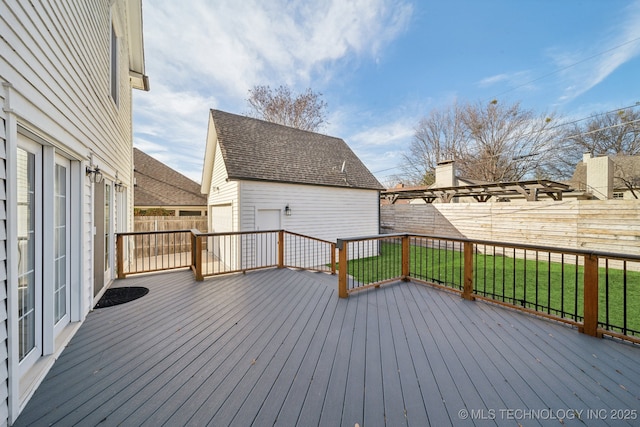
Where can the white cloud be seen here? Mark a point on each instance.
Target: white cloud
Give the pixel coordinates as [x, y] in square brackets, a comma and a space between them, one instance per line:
[206, 54]
[232, 45]
[381, 148]
[171, 126]
[517, 80]
[585, 70]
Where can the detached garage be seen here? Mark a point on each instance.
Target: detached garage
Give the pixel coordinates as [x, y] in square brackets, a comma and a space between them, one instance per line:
[263, 176]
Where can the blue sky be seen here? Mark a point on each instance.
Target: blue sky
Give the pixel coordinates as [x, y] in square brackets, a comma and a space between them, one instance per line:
[381, 65]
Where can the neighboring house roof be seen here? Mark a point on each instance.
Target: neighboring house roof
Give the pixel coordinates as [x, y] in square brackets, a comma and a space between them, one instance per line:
[255, 149]
[159, 185]
[625, 168]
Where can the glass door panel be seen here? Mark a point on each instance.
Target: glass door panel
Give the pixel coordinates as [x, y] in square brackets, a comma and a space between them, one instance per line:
[61, 295]
[28, 185]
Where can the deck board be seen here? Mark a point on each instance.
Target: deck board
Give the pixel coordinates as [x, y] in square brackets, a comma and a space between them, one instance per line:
[279, 347]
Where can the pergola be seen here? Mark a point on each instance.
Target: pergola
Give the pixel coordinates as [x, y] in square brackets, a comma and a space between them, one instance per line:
[530, 190]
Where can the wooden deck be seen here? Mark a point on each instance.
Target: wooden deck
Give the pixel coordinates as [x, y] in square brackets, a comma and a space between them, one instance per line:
[279, 347]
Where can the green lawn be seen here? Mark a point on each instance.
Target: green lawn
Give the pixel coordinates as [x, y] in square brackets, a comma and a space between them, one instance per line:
[544, 285]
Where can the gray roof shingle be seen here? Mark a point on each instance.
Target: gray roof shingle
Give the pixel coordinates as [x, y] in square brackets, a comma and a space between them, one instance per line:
[159, 185]
[254, 149]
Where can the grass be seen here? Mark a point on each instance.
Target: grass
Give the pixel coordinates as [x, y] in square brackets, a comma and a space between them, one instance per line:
[545, 284]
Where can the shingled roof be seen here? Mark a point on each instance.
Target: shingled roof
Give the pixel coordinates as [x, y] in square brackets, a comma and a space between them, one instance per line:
[254, 149]
[159, 185]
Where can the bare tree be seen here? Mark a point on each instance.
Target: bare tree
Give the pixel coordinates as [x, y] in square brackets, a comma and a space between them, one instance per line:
[489, 142]
[306, 111]
[615, 133]
[438, 137]
[628, 174]
[507, 142]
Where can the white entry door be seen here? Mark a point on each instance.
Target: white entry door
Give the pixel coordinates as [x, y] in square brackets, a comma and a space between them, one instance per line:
[267, 247]
[223, 248]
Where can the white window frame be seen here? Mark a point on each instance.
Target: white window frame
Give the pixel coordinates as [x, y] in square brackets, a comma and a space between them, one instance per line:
[65, 319]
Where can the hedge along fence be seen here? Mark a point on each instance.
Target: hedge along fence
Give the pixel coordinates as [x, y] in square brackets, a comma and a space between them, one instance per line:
[599, 225]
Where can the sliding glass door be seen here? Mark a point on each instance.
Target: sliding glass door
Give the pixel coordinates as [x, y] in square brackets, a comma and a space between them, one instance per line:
[29, 195]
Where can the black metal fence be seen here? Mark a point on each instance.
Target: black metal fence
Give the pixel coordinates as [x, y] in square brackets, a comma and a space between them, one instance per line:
[596, 291]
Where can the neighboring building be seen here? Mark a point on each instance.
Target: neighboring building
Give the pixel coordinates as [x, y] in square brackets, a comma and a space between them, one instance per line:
[67, 70]
[264, 176]
[608, 177]
[160, 188]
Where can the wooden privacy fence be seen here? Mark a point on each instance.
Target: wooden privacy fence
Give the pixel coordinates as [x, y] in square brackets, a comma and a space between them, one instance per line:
[169, 223]
[209, 254]
[598, 292]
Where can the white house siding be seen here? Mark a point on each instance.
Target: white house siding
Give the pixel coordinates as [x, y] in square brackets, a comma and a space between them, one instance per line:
[223, 214]
[222, 193]
[326, 213]
[55, 63]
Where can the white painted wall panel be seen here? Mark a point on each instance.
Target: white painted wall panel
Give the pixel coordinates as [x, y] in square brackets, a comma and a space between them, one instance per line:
[326, 213]
[56, 58]
[223, 192]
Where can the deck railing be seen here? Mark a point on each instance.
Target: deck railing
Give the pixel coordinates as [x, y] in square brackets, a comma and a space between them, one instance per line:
[598, 292]
[148, 251]
[210, 254]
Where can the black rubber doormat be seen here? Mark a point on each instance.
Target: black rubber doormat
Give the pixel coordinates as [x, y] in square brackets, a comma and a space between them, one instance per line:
[116, 296]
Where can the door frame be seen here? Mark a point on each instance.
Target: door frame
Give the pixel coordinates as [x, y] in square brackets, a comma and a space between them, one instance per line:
[59, 325]
[36, 352]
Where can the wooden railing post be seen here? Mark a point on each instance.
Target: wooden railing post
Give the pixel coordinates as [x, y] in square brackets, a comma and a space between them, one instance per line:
[120, 256]
[281, 249]
[342, 270]
[467, 290]
[590, 325]
[193, 250]
[333, 258]
[198, 258]
[405, 258]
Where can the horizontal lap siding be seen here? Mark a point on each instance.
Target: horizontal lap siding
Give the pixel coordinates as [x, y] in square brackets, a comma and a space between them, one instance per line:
[326, 213]
[57, 56]
[602, 225]
[222, 191]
